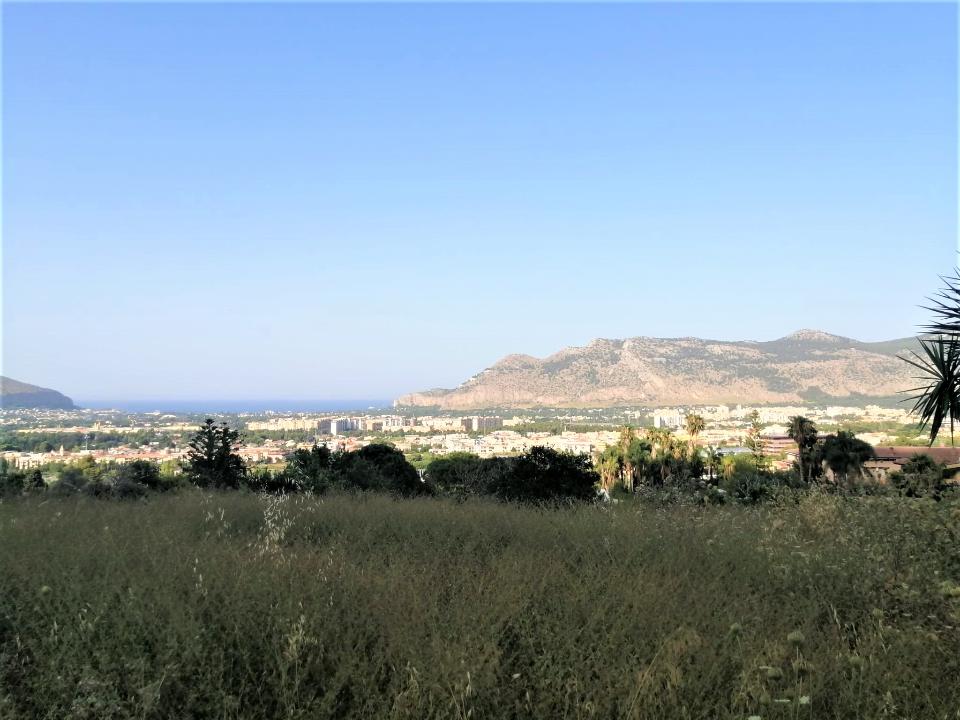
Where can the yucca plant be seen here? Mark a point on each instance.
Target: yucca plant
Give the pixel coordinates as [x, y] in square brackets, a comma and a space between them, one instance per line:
[946, 308]
[937, 399]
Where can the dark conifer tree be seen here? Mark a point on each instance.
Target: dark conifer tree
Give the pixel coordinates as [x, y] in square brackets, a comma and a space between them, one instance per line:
[212, 460]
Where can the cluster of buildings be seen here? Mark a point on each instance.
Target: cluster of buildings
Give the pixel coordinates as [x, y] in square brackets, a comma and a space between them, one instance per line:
[484, 435]
[509, 442]
[268, 452]
[379, 424]
[724, 415]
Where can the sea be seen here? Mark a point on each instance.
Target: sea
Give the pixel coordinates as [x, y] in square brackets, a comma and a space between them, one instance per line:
[237, 406]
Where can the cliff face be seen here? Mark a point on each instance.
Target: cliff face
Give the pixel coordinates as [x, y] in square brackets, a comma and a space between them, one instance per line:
[804, 366]
[16, 394]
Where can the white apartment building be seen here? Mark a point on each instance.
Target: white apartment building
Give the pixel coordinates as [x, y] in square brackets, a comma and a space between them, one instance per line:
[668, 418]
[478, 423]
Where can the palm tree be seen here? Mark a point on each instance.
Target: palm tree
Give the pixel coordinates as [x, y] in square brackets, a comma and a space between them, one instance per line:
[638, 457]
[627, 436]
[713, 460]
[938, 398]
[804, 433]
[610, 466]
[695, 426]
[661, 444]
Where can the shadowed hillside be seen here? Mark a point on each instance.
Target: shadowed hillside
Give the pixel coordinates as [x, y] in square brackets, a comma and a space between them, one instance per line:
[16, 394]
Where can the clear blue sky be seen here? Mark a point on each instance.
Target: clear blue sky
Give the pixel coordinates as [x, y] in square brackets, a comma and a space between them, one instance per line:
[328, 201]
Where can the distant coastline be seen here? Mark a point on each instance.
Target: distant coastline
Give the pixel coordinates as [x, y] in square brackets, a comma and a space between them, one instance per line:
[233, 406]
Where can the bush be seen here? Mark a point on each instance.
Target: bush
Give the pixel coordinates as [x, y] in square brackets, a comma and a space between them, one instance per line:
[70, 480]
[377, 467]
[921, 476]
[310, 469]
[12, 481]
[464, 475]
[263, 479]
[141, 472]
[544, 474]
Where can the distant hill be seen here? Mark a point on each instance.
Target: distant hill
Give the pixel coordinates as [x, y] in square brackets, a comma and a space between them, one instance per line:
[16, 394]
[806, 366]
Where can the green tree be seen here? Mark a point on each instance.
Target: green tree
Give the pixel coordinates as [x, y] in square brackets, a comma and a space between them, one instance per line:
[12, 481]
[212, 461]
[460, 474]
[743, 480]
[609, 465]
[378, 467]
[712, 460]
[695, 425]
[804, 433]
[543, 475]
[845, 455]
[754, 441]
[263, 479]
[627, 436]
[310, 469]
[140, 472]
[35, 480]
[661, 450]
[638, 458]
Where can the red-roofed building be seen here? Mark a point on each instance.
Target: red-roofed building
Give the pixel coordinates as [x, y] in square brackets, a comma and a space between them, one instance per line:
[891, 458]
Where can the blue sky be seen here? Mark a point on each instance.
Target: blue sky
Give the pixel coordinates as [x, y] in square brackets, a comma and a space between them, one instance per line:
[330, 201]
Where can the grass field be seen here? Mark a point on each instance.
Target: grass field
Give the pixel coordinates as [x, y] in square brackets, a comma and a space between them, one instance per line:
[238, 606]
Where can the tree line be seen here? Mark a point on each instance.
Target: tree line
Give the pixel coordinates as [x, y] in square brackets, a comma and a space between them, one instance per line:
[654, 460]
[212, 462]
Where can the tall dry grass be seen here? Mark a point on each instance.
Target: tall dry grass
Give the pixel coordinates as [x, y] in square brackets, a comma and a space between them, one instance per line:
[238, 606]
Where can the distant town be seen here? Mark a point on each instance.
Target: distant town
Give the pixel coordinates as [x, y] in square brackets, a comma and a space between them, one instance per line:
[37, 438]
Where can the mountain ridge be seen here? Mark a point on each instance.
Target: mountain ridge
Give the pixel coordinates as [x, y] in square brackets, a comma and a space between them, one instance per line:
[643, 370]
[18, 394]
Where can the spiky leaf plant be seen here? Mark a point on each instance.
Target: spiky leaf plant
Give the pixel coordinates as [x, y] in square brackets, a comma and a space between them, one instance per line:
[937, 400]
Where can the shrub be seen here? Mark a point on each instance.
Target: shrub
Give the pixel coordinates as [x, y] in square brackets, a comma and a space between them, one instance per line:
[544, 474]
[263, 479]
[70, 480]
[310, 469]
[143, 473]
[921, 476]
[377, 467]
[12, 481]
[467, 475]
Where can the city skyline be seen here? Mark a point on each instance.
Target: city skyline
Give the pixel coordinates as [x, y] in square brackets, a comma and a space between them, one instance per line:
[341, 202]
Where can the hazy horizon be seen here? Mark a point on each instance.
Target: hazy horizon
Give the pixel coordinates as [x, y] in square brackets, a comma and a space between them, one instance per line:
[243, 402]
[329, 201]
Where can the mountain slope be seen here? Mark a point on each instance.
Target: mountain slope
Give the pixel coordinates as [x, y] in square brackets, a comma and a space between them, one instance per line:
[805, 365]
[16, 394]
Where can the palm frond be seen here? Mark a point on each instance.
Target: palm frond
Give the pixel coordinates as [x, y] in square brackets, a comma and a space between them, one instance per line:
[945, 306]
[938, 399]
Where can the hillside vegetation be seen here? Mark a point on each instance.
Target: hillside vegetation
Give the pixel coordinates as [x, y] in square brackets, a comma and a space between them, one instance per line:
[16, 394]
[235, 605]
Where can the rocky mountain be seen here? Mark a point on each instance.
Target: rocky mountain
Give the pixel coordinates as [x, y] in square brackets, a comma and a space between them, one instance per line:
[806, 366]
[16, 394]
